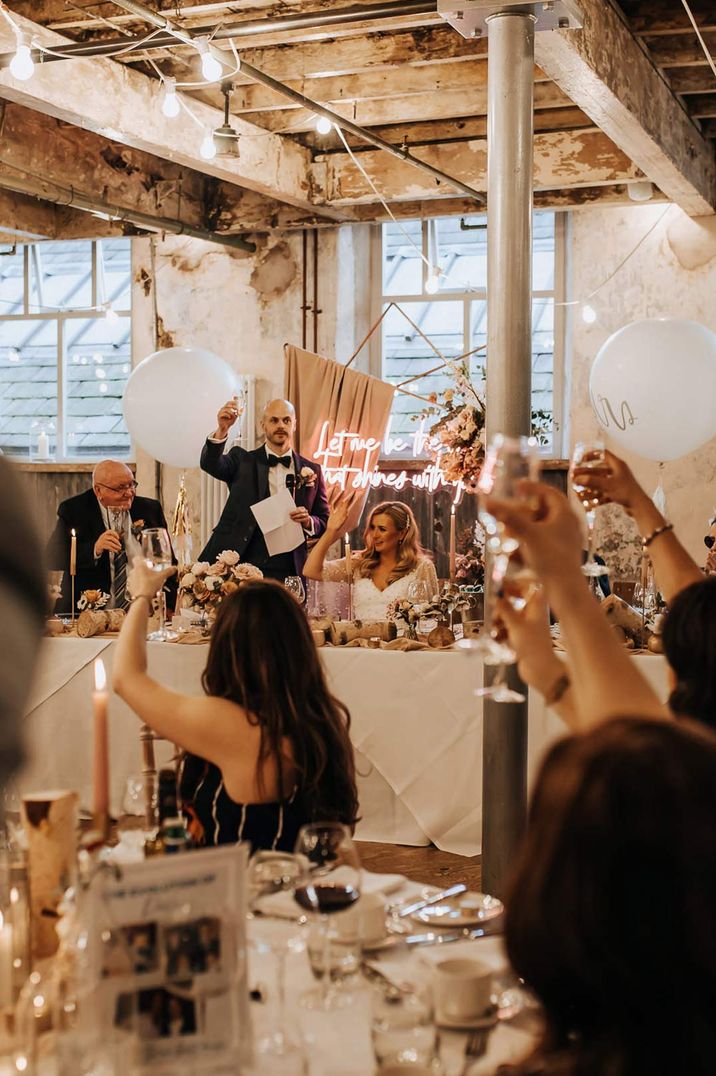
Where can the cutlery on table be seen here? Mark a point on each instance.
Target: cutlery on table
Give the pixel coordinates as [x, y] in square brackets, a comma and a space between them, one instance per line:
[476, 1046]
[418, 905]
[439, 938]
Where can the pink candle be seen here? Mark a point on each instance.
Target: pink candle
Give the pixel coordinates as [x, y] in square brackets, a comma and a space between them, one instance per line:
[348, 560]
[101, 748]
[73, 553]
[452, 544]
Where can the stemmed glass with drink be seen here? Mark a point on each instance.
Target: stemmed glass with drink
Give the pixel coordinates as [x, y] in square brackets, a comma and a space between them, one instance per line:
[509, 461]
[589, 457]
[331, 883]
[294, 585]
[157, 553]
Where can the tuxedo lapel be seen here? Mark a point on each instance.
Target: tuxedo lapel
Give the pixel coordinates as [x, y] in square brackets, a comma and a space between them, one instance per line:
[301, 491]
[262, 473]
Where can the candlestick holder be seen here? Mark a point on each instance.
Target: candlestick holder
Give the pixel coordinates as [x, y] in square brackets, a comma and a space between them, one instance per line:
[72, 599]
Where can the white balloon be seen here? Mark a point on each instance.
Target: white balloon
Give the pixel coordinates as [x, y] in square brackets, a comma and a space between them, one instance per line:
[653, 387]
[171, 400]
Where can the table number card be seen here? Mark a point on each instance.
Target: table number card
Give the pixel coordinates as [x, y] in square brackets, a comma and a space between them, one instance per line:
[169, 940]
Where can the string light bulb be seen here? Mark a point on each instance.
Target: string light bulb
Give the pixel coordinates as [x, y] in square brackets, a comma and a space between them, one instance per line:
[589, 314]
[211, 69]
[432, 283]
[170, 104]
[22, 65]
[324, 126]
[110, 314]
[208, 147]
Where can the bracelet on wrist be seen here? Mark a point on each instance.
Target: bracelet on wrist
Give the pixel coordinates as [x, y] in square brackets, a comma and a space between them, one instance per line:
[143, 597]
[646, 542]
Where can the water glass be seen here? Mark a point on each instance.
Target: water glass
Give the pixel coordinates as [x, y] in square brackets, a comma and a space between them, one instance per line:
[589, 457]
[403, 1029]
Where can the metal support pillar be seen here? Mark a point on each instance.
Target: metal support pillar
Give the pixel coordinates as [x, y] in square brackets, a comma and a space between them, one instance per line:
[510, 115]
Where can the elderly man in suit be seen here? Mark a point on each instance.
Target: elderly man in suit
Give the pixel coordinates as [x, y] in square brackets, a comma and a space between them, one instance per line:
[253, 476]
[108, 521]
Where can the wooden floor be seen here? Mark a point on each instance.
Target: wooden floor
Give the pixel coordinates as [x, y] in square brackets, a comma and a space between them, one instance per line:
[428, 865]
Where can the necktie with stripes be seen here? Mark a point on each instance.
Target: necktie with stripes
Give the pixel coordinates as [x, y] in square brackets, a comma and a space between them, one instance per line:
[120, 566]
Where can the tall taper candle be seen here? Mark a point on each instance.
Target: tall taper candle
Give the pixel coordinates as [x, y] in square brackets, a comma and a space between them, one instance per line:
[452, 544]
[73, 553]
[100, 805]
[349, 563]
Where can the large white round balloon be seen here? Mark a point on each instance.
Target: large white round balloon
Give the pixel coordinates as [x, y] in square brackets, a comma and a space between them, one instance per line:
[653, 387]
[171, 400]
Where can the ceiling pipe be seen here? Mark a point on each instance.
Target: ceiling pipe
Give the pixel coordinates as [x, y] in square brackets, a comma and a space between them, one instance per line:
[162, 22]
[309, 20]
[56, 194]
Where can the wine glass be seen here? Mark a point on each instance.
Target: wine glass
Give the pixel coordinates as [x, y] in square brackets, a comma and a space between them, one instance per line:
[517, 583]
[589, 456]
[157, 553]
[270, 873]
[294, 585]
[330, 883]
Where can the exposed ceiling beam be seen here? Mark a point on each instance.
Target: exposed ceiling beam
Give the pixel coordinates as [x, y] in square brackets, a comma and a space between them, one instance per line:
[606, 73]
[692, 79]
[117, 102]
[561, 159]
[443, 131]
[680, 50]
[449, 105]
[704, 106]
[668, 16]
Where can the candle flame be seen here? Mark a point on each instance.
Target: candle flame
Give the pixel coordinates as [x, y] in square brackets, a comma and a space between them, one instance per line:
[2, 920]
[452, 510]
[73, 533]
[100, 676]
[348, 538]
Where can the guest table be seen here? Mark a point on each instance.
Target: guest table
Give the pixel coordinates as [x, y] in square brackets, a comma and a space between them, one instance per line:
[415, 724]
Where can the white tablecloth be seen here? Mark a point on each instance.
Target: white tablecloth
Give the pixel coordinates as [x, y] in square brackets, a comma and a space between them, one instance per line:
[416, 726]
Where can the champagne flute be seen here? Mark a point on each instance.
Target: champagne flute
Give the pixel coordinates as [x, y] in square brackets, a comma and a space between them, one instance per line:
[294, 585]
[269, 873]
[589, 456]
[516, 583]
[157, 553]
[331, 883]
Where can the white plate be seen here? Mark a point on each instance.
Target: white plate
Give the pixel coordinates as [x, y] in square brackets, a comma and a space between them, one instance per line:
[467, 910]
[508, 999]
[488, 1020]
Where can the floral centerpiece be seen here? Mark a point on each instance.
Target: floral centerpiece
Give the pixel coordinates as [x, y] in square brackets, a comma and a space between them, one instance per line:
[205, 585]
[457, 436]
[92, 599]
[403, 611]
[470, 557]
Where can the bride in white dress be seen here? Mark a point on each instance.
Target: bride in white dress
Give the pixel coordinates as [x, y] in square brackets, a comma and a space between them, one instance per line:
[392, 561]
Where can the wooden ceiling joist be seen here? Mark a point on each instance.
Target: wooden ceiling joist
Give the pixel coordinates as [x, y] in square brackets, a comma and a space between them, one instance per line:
[606, 73]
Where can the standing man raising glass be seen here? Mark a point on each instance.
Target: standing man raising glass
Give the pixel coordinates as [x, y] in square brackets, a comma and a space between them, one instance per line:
[253, 476]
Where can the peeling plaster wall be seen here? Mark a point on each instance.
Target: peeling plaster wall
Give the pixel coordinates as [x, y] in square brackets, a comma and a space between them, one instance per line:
[672, 274]
[245, 307]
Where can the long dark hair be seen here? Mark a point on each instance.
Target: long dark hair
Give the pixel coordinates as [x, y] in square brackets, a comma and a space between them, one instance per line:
[689, 641]
[610, 911]
[263, 657]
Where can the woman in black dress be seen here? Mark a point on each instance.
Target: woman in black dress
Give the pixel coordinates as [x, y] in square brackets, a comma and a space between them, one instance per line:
[266, 746]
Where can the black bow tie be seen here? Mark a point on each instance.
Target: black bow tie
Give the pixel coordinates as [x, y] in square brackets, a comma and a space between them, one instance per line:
[285, 461]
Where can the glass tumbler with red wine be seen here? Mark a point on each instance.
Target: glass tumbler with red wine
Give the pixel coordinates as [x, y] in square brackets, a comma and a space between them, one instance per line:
[330, 884]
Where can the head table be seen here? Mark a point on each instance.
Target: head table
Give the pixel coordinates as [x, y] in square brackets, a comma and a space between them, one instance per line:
[415, 724]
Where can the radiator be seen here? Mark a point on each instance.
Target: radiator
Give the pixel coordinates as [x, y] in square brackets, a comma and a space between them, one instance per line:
[213, 493]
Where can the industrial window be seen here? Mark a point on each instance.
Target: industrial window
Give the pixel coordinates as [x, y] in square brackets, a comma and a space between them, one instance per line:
[65, 349]
[454, 317]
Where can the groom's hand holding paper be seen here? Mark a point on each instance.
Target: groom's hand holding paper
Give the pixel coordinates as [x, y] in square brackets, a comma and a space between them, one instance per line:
[273, 515]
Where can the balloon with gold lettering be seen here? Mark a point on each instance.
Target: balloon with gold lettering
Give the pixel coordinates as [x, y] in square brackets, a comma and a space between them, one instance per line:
[653, 387]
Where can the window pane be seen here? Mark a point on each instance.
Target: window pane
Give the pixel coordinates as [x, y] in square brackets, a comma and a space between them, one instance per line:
[406, 354]
[543, 368]
[402, 262]
[98, 363]
[28, 380]
[60, 276]
[461, 247]
[116, 255]
[12, 281]
[543, 244]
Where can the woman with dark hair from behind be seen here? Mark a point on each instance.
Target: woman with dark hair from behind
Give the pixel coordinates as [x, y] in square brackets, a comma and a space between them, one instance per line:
[610, 911]
[267, 745]
[689, 642]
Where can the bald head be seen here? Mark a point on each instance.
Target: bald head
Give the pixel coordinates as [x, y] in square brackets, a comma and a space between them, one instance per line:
[279, 425]
[112, 482]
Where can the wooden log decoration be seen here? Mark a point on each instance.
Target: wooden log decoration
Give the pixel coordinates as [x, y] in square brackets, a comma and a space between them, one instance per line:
[343, 631]
[91, 622]
[620, 614]
[50, 820]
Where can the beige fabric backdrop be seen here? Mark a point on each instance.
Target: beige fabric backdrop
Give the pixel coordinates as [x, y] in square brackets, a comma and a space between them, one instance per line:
[321, 389]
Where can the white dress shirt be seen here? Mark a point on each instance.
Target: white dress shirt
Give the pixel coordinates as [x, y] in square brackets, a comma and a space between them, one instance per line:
[276, 475]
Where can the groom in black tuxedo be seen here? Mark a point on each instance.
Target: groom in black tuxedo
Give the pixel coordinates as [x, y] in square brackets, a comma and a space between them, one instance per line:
[253, 476]
[108, 521]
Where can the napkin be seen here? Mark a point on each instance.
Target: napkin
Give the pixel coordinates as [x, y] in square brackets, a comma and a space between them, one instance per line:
[283, 906]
